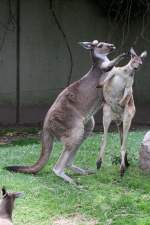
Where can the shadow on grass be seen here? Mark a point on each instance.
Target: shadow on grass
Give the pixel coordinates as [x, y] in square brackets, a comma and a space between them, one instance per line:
[21, 142]
[28, 130]
[24, 141]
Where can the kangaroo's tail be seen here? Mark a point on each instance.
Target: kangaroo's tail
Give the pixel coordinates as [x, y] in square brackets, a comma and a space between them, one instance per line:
[47, 145]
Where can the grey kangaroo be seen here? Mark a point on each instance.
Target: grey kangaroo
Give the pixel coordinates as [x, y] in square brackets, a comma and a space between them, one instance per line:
[6, 206]
[119, 104]
[70, 118]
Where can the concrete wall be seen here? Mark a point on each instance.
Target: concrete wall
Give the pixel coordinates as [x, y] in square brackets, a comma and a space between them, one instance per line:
[45, 60]
[7, 64]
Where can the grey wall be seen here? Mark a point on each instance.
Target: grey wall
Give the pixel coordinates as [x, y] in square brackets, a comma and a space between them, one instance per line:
[7, 64]
[45, 62]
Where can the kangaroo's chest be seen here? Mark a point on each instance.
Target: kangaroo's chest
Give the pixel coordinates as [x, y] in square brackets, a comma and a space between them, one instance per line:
[115, 87]
[114, 90]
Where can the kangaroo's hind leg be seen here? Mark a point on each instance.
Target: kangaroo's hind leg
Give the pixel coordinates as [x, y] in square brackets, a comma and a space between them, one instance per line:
[71, 144]
[120, 130]
[88, 128]
[107, 118]
[128, 116]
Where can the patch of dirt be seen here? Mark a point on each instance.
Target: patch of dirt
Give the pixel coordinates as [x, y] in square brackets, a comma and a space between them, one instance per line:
[76, 219]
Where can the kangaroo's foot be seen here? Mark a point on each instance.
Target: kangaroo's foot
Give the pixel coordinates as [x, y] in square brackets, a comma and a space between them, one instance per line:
[122, 170]
[99, 163]
[126, 161]
[64, 176]
[81, 171]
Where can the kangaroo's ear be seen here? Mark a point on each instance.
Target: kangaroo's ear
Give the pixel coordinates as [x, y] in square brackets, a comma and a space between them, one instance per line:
[143, 55]
[4, 192]
[132, 52]
[18, 194]
[88, 45]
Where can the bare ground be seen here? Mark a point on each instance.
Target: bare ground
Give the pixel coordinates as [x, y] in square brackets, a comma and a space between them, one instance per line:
[76, 219]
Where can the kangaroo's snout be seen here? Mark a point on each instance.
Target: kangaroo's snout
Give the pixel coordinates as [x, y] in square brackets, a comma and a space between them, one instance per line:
[112, 46]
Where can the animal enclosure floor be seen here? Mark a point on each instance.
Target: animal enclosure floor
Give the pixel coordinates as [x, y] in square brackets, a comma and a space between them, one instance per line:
[103, 198]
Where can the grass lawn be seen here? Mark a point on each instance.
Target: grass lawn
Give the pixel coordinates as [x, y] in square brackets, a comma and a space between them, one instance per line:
[103, 199]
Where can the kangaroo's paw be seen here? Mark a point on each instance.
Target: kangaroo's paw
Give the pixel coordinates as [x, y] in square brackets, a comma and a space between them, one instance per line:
[122, 170]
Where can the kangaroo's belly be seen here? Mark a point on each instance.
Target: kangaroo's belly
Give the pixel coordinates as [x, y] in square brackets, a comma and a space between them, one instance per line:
[71, 107]
[117, 112]
[93, 109]
[113, 92]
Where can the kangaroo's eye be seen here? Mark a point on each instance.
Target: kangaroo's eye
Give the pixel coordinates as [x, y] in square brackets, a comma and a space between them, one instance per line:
[100, 45]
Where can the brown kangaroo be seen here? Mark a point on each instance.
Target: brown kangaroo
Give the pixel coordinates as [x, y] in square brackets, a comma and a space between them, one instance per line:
[7, 205]
[70, 118]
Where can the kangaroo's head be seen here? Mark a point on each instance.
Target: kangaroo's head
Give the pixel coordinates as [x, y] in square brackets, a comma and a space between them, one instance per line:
[7, 202]
[98, 49]
[136, 60]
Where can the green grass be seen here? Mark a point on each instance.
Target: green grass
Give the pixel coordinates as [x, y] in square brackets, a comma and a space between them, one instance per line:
[103, 196]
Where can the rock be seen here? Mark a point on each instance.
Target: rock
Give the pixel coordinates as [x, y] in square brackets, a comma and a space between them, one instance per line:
[144, 157]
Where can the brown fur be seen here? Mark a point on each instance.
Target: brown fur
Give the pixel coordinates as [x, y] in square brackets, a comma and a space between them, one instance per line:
[70, 118]
[6, 206]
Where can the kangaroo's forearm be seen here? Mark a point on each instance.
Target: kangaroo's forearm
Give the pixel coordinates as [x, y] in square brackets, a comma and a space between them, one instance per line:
[126, 97]
[109, 65]
[108, 77]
